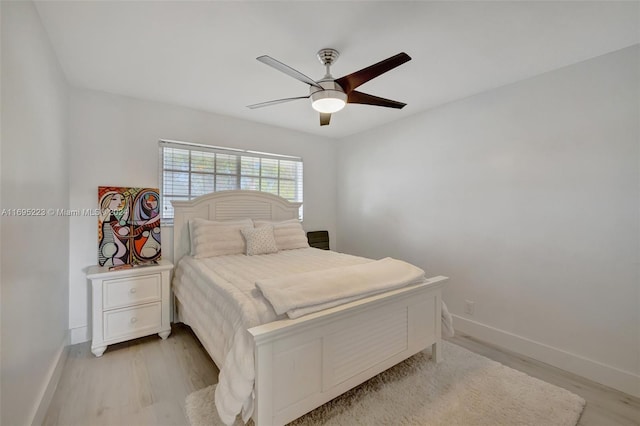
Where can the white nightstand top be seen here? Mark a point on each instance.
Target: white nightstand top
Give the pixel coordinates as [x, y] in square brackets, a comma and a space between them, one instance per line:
[103, 271]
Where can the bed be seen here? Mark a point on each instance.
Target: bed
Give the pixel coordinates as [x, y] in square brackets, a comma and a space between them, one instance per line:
[274, 368]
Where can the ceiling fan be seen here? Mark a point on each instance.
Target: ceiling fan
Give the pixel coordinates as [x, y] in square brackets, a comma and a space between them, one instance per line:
[330, 95]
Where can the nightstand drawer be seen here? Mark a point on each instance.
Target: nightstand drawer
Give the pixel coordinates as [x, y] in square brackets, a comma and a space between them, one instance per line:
[131, 291]
[132, 321]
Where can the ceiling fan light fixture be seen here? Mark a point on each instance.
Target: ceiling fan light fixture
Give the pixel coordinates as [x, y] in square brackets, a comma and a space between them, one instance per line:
[328, 101]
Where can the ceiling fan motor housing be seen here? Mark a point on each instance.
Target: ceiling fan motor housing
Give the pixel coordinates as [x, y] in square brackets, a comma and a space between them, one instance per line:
[329, 100]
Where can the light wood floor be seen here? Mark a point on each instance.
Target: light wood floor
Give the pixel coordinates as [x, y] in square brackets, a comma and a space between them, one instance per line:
[141, 382]
[145, 382]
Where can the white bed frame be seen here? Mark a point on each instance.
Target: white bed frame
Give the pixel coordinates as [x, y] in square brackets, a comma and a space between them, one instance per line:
[303, 363]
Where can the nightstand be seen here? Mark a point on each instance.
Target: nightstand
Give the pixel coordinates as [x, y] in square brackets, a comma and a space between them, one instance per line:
[318, 239]
[129, 303]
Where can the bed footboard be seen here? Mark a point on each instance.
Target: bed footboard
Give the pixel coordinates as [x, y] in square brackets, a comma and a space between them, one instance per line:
[301, 364]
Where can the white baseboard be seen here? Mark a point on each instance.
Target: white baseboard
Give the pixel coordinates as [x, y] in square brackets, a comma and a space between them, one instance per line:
[53, 377]
[621, 380]
[79, 335]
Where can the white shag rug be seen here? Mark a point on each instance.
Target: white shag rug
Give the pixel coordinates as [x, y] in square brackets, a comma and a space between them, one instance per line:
[464, 389]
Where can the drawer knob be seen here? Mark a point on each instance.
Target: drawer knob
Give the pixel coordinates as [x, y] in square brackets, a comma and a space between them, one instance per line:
[132, 291]
[134, 320]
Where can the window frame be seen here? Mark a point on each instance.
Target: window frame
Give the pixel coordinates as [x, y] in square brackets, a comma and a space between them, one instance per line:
[163, 144]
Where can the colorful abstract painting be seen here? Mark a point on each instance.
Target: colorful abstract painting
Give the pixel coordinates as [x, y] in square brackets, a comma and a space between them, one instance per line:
[128, 225]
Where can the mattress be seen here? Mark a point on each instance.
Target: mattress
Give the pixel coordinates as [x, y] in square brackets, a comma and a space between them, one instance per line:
[219, 300]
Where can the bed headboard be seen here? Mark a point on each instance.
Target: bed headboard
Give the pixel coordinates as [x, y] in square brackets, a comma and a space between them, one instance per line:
[227, 205]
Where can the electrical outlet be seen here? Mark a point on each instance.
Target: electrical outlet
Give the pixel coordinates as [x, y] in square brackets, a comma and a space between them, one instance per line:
[469, 307]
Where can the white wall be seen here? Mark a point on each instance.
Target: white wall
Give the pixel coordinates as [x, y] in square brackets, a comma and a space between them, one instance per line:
[527, 196]
[34, 269]
[114, 141]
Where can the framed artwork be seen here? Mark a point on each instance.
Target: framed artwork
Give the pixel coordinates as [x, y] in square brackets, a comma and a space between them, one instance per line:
[128, 225]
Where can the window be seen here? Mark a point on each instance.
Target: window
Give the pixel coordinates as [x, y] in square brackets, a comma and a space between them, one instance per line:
[189, 170]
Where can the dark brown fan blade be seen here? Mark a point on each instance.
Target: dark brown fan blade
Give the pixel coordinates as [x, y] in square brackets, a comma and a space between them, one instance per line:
[268, 60]
[325, 118]
[277, 101]
[356, 97]
[353, 80]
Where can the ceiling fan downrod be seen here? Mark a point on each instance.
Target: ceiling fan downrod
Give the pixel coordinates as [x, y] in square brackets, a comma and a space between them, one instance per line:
[328, 57]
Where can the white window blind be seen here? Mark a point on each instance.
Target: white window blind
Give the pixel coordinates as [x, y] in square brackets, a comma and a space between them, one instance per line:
[190, 170]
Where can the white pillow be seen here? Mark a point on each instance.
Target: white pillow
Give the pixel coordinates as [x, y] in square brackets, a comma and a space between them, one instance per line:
[259, 240]
[213, 238]
[289, 233]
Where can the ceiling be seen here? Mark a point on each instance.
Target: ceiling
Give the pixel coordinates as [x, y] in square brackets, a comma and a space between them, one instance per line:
[202, 54]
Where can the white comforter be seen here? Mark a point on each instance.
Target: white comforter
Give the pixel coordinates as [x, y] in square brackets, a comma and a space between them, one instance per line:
[221, 302]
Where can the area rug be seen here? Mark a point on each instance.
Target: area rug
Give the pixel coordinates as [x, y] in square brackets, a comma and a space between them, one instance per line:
[464, 389]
